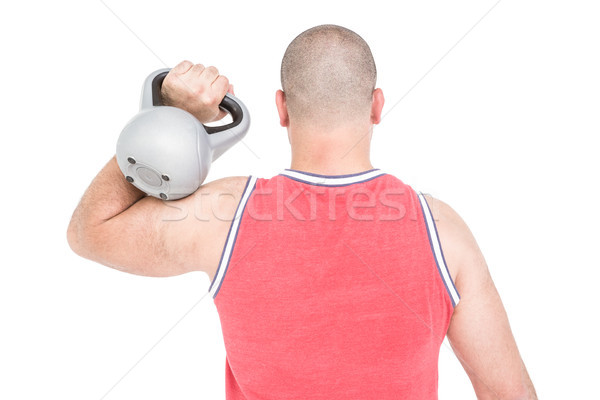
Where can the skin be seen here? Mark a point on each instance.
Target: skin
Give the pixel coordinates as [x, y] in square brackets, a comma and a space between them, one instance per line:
[115, 224]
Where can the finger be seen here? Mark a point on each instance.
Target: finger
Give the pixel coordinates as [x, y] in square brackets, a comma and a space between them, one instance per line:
[196, 69]
[220, 86]
[222, 114]
[230, 90]
[210, 74]
[183, 67]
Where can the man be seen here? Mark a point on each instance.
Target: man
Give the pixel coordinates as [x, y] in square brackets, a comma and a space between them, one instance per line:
[329, 279]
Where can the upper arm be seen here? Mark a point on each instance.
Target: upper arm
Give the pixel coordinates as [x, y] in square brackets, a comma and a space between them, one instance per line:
[160, 238]
[479, 331]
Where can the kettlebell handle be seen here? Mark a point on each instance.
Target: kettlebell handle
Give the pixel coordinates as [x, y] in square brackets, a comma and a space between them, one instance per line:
[228, 103]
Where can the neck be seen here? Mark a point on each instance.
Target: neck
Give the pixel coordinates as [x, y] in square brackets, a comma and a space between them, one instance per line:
[340, 152]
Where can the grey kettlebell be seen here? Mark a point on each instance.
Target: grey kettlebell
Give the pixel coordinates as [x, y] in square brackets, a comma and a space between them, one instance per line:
[165, 151]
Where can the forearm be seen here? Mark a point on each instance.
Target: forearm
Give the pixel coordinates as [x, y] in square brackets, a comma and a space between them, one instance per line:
[108, 195]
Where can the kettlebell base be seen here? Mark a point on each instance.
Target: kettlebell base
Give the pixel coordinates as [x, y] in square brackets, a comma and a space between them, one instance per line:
[149, 180]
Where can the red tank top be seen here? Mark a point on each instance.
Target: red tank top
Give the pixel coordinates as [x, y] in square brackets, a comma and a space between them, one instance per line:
[332, 287]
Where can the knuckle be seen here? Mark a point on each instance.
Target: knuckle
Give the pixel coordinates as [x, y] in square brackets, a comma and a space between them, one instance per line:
[180, 68]
[207, 98]
[185, 64]
[210, 99]
[199, 92]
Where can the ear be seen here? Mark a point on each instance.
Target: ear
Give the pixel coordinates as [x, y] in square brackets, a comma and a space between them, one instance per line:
[377, 106]
[284, 119]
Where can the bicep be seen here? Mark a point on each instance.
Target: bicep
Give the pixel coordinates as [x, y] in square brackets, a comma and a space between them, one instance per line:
[134, 241]
[157, 238]
[479, 330]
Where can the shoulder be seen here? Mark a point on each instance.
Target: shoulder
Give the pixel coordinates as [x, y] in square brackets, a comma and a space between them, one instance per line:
[460, 248]
[232, 185]
[218, 198]
[198, 225]
[479, 324]
[447, 219]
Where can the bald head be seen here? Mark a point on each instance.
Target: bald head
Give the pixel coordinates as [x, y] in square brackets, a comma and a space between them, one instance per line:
[328, 75]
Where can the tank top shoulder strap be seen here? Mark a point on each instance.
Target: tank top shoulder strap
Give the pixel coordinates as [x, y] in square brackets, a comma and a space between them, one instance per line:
[231, 237]
[436, 248]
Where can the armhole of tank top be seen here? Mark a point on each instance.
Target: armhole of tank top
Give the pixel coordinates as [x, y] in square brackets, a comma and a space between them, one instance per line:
[231, 237]
[438, 254]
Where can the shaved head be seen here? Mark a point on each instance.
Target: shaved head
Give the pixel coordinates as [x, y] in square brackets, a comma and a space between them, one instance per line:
[328, 76]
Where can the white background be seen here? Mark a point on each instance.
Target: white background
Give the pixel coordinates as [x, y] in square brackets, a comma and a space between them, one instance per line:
[504, 128]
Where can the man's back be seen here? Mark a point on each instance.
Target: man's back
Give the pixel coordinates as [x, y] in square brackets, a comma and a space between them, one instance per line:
[311, 303]
[332, 283]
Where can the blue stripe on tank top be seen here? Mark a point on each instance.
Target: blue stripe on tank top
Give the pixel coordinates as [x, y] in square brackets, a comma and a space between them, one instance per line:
[235, 225]
[426, 214]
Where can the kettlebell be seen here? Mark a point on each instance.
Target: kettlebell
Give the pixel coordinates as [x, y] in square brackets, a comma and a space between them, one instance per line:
[165, 151]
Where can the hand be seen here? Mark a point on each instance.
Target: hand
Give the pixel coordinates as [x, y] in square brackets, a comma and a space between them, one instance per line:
[197, 90]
